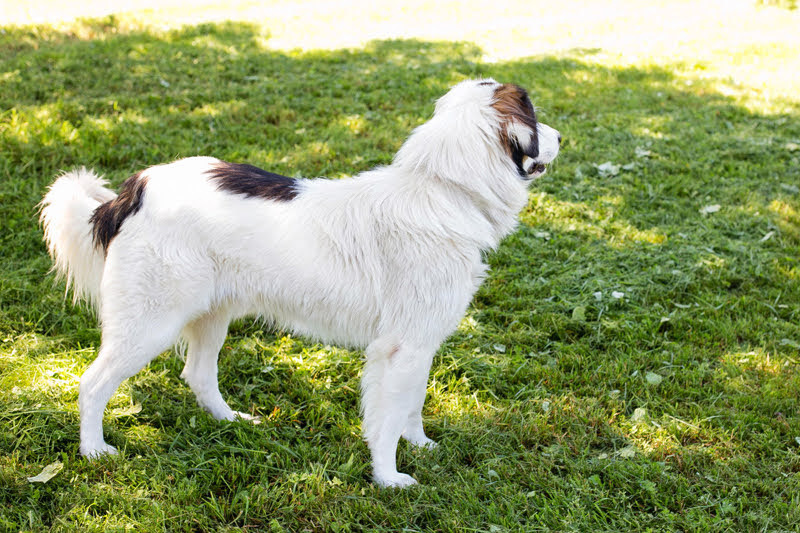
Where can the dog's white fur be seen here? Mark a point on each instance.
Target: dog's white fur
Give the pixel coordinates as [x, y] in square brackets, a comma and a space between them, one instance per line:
[387, 260]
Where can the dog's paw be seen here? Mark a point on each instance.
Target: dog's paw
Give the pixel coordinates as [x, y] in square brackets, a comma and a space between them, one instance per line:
[418, 439]
[428, 445]
[95, 452]
[395, 480]
[238, 415]
[424, 443]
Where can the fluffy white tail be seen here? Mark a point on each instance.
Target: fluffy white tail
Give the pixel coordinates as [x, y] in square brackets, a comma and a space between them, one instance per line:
[66, 212]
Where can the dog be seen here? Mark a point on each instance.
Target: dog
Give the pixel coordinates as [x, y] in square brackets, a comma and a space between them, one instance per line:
[387, 261]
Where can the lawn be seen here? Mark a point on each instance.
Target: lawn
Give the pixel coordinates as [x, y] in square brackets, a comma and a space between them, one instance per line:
[632, 363]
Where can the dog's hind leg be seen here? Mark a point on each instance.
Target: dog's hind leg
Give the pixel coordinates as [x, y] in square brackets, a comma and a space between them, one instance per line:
[414, 432]
[205, 337]
[392, 392]
[126, 348]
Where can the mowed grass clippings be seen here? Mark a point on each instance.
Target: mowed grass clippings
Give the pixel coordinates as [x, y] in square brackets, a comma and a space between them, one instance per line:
[630, 364]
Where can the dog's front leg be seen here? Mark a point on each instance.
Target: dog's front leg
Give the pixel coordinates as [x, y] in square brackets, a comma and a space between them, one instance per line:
[392, 393]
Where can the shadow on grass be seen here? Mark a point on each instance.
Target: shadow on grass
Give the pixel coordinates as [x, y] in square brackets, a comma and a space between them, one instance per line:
[615, 274]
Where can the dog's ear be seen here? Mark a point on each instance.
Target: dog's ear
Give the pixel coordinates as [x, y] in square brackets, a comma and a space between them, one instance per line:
[518, 125]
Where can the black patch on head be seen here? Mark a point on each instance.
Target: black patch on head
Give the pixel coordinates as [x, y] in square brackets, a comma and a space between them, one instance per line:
[107, 219]
[517, 156]
[514, 105]
[253, 182]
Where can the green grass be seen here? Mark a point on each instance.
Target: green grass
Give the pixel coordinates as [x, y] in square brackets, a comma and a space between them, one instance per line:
[557, 405]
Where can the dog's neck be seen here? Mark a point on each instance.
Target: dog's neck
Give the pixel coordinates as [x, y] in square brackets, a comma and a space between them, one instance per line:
[437, 155]
[455, 207]
[500, 216]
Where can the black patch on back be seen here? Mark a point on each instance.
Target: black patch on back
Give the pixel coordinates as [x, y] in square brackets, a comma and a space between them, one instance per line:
[253, 182]
[107, 219]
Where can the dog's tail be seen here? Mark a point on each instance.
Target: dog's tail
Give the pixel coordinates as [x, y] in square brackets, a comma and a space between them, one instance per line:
[66, 213]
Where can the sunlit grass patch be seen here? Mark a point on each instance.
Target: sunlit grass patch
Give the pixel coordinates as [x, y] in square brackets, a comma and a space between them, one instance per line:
[598, 222]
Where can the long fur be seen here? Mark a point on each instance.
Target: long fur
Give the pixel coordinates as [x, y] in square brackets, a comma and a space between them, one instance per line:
[66, 210]
[387, 261]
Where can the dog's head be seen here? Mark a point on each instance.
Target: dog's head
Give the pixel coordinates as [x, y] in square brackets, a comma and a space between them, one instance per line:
[529, 144]
[484, 139]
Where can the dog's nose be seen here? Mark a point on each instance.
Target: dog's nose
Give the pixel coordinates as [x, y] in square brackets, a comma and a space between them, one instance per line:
[559, 139]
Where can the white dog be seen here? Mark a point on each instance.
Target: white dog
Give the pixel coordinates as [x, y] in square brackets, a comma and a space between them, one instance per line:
[387, 260]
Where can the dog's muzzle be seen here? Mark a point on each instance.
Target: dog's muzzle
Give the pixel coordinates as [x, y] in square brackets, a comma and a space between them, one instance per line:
[549, 143]
[536, 168]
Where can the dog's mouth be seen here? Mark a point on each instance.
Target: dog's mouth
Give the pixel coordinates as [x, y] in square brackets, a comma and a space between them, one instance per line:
[538, 157]
[533, 169]
[537, 168]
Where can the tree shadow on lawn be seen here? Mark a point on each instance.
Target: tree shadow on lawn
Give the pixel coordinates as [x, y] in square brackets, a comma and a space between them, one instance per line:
[700, 291]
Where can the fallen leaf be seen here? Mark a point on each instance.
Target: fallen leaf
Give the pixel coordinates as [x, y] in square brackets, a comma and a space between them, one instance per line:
[47, 473]
[653, 379]
[607, 169]
[126, 411]
[708, 209]
[617, 294]
[790, 342]
[579, 314]
[639, 414]
[500, 348]
[627, 452]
